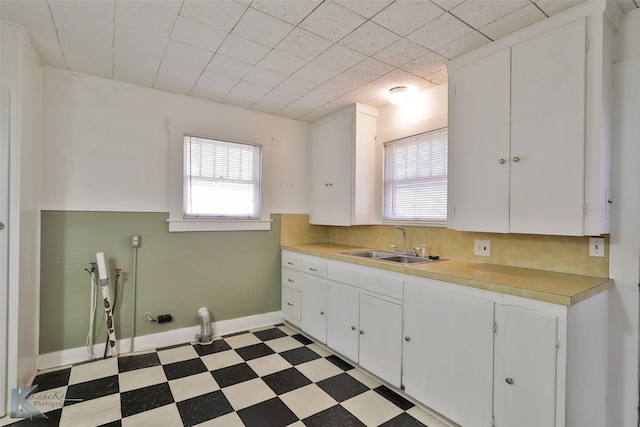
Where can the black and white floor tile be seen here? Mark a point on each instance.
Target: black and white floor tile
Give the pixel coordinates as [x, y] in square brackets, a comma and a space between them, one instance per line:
[271, 377]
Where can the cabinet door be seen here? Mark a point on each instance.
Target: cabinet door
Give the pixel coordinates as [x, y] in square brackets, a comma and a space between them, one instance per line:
[342, 319]
[480, 145]
[314, 306]
[331, 171]
[525, 368]
[548, 95]
[381, 338]
[448, 353]
[364, 169]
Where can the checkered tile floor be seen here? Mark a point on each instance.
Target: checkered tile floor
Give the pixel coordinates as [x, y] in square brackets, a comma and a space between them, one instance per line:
[272, 377]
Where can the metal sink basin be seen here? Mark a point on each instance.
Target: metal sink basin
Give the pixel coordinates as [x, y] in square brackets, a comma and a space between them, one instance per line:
[390, 257]
[370, 254]
[407, 259]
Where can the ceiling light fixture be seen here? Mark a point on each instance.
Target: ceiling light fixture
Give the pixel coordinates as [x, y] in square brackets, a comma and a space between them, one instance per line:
[398, 95]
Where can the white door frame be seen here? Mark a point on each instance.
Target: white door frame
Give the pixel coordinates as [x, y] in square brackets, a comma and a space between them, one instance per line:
[5, 108]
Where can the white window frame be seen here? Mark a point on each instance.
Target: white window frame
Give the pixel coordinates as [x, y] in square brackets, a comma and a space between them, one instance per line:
[204, 169]
[176, 132]
[411, 221]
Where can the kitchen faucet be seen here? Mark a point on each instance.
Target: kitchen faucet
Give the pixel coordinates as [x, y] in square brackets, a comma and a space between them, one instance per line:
[404, 238]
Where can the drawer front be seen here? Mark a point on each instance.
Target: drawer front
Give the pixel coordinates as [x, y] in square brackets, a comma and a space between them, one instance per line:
[292, 278]
[291, 260]
[312, 266]
[342, 274]
[291, 302]
[382, 284]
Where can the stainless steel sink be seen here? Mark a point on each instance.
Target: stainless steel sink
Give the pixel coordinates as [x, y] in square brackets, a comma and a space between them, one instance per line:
[407, 259]
[390, 257]
[370, 254]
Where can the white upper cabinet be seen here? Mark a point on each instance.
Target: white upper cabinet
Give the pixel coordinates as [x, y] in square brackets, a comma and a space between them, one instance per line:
[527, 129]
[343, 167]
[481, 159]
[547, 132]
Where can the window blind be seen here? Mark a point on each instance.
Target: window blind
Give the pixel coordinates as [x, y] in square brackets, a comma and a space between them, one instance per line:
[415, 183]
[221, 179]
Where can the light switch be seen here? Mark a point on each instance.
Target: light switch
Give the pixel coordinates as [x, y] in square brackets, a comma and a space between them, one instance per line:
[482, 247]
[596, 246]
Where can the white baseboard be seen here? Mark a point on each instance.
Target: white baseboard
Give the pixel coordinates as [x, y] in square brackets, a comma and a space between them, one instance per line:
[161, 339]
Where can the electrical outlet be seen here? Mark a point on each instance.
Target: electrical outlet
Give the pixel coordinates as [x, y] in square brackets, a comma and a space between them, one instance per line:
[596, 246]
[482, 247]
[135, 241]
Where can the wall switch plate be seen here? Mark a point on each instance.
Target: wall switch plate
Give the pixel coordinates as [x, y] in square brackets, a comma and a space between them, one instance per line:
[596, 246]
[482, 247]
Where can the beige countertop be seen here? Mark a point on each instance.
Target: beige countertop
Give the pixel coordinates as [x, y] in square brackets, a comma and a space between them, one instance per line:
[558, 288]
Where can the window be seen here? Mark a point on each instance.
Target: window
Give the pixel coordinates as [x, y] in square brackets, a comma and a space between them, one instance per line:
[415, 178]
[221, 179]
[219, 176]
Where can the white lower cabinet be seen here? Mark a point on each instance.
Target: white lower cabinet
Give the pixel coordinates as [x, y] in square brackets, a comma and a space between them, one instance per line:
[448, 352]
[484, 359]
[525, 368]
[291, 297]
[314, 306]
[477, 361]
[366, 326]
[381, 338]
[314, 297]
[343, 321]
[477, 357]
[355, 310]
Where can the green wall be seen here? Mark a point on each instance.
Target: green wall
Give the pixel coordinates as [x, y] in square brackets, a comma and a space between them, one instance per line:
[234, 274]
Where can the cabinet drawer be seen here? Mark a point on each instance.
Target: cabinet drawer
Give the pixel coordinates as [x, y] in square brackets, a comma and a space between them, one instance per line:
[291, 278]
[338, 273]
[291, 260]
[382, 284]
[312, 266]
[291, 302]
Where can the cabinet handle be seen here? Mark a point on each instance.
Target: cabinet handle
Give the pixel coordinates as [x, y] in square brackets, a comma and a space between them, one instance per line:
[509, 380]
[353, 328]
[291, 281]
[516, 159]
[502, 161]
[407, 339]
[290, 304]
[328, 184]
[289, 262]
[322, 313]
[313, 269]
[361, 332]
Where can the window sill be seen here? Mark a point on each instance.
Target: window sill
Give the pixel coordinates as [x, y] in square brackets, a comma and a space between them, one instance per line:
[182, 225]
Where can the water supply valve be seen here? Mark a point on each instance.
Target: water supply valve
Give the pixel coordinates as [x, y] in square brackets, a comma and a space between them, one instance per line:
[162, 318]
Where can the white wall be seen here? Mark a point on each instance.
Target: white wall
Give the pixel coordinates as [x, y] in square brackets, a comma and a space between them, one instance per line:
[106, 147]
[624, 255]
[22, 77]
[426, 112]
